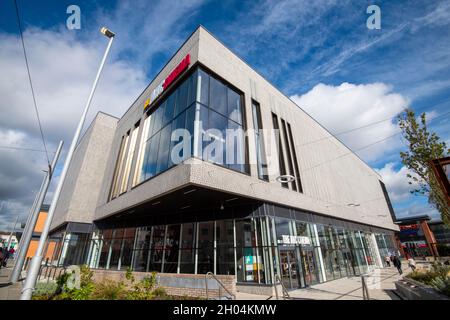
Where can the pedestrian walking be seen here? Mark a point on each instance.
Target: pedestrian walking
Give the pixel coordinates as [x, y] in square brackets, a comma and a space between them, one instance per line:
[1, 257]
[5, 256]
[398, 264]
[11, 252]
[412, 263]
[387, 259]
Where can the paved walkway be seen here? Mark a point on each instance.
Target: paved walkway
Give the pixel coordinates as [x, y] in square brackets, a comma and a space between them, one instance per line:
[381, 285]
[8, 291]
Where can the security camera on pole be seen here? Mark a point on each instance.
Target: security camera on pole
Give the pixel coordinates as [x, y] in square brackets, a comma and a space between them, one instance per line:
[33, 270]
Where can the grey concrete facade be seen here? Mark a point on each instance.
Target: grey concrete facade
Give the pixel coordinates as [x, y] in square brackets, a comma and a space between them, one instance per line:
[332, 175]
[82, 187]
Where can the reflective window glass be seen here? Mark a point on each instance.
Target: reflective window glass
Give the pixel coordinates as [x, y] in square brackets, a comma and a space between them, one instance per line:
[187, 251]
[150, 170]
[234, 106]
[181, 97]
[163, 151]
[203, 84]
[205, 247]
[218, 96]
[171, 249]
[169, 109]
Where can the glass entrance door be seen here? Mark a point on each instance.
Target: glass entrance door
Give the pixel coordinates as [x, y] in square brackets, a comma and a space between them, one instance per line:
[289, 268]
[348, 262]
[310, 267]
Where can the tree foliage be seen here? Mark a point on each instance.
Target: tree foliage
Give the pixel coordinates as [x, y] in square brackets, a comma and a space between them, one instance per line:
[424, 146]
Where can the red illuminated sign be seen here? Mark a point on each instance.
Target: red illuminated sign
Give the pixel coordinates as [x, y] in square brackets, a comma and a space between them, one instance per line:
[182, 66]
[409, 227]
[177, 71]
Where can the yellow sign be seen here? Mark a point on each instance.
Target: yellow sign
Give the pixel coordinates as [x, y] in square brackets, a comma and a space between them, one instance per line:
[146, 103]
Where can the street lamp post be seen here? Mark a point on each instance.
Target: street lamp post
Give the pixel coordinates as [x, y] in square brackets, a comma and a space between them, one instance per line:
[33, 272]
[27, 235]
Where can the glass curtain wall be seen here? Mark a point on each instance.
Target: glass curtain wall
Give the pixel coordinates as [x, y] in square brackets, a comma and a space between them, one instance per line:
[255, 250]
[218, 110]
[385, 245]
[309, 253]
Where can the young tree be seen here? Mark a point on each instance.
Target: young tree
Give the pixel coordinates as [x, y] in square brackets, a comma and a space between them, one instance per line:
[423, 147]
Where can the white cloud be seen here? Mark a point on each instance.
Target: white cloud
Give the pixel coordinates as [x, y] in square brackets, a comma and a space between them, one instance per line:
[418, 209]
[348, 106]
[63, 70]
[396, 181]
[63, 64]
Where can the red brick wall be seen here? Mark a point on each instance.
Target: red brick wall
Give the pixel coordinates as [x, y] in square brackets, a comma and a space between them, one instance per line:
[100, 275]
[228, 281]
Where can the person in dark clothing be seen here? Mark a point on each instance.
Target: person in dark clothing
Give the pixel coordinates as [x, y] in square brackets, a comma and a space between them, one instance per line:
[1, 257]
[398, 264]
[5, 256]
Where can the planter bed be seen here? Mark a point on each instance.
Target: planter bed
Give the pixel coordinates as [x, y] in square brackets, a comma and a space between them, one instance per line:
[410, 289]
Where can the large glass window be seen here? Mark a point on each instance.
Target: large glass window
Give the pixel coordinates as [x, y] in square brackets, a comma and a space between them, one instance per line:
[259, 142]
[281, 164]
[199, 97]
[205, 247]
[129, 159]
[171, 249]
[157, 248]
[142, 249]
[218, 96]
[288, 155]
[139, 173]
[119, 166]
[221, 132]
[225, 247]
[294, 154]
[246, 251]
[187, 247]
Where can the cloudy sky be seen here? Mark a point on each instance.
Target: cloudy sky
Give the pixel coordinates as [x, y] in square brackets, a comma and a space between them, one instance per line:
[320, 53]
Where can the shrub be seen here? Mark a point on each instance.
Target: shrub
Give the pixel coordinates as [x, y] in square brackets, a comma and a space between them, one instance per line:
[160, 293]
[109, 290]
[44, 291]
[442, 284]
[438, 277]
[424, 277]
[85, 275]
[143, 290]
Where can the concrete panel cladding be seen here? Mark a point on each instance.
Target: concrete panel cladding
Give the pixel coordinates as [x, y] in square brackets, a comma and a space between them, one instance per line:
[81, 189]
[332, 180]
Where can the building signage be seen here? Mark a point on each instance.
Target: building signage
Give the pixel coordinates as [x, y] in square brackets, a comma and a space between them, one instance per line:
[409, 230]
[409, 227]
[182, 66]
[415, 244]
[287, 239]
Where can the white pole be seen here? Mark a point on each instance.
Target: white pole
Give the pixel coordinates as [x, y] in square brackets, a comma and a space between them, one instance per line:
[27, 224]
[35, 264]
[28, 233]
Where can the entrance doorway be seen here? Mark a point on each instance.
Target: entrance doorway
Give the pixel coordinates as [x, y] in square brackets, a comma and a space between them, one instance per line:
[310, 267]
[348, 263]
[289, 268]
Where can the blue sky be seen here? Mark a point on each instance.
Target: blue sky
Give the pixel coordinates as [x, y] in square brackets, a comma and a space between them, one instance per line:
[320, 53]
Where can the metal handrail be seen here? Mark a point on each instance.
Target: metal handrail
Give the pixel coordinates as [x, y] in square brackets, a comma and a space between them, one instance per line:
[283, 288]
[233, 296]
[48, 271]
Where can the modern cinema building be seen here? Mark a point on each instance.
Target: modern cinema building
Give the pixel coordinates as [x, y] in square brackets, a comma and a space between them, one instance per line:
[213, 169]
